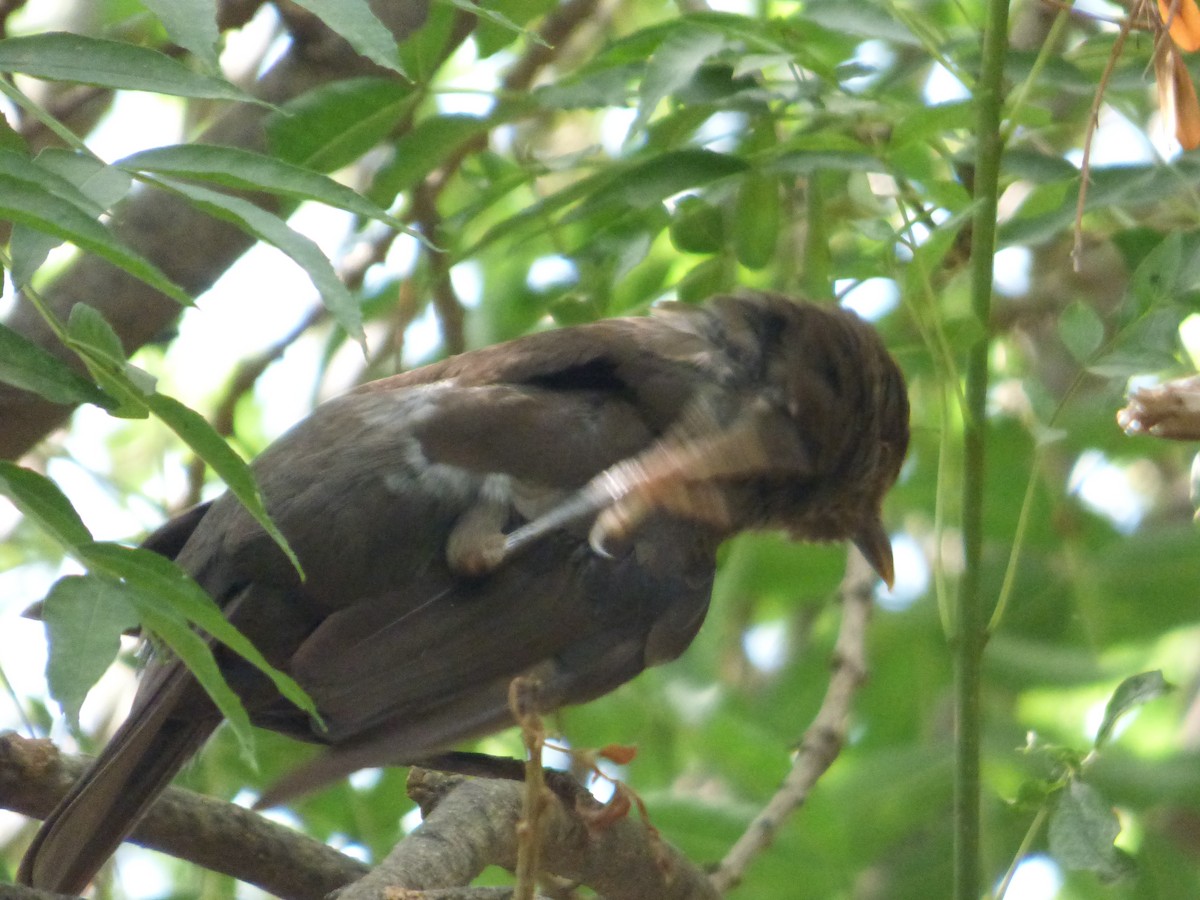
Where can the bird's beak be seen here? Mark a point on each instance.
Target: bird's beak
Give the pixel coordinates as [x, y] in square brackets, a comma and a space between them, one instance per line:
[876, 546]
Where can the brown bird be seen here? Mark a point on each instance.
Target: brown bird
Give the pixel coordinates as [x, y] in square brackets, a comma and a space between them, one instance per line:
[551, 507]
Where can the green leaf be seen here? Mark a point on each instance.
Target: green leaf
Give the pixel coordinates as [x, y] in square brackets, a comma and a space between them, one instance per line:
[1147, 345]
[933, 122]
[244, 170]
[29, 367]
[165, 598]
[354, 20]
[85, 616]
[755, 63]
[756, 220]
[261, 224]
[1135, 243]
[58, 56]
[10, 138]
[1046, 198]
[1032, 794]
[1150, 562]
[79, 178]
[1082, 830]
[157, 580]
[806, 162]
[1131, 693]
[333, 125]
[1081, 330]
[97, 344]
[95, 339]
[16, 165]
[1154, 281]
[590, 88]
[1038, 167]
[166, 624]
[192, 24]
[641, 185]
[41, 500]
[685, 49]
[769, 566]
[134, 383]
[492, 35]
[705, 279]
[697, 226]
[101, 183]
[863, 20]
[949, 195]
[31, 204]
[496, 18]
[195, 431]
[1131, 187]
[88, 330]
[648, 183]
[422, 150]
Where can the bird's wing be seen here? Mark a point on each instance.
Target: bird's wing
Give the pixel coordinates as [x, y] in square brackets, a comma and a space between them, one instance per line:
[384, 634]
[396, 683]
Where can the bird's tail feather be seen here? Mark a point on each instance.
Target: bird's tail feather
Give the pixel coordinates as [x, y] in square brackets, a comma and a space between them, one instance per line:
[107, 801]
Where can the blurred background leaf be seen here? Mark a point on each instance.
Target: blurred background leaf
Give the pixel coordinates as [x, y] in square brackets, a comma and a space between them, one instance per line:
[565, 162]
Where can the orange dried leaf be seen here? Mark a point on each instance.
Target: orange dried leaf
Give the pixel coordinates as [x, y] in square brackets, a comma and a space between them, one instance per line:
[616, 809]
[1187, 108]
[1185, 22]
[1177, 96]
[621, 754]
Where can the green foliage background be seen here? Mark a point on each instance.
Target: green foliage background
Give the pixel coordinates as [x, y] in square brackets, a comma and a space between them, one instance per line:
[789, 146]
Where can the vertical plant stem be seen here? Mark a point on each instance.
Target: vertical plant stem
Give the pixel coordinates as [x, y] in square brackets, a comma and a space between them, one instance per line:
[971, 635]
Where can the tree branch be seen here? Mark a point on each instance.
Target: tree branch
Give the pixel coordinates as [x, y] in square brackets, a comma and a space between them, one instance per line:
[210, 833]
[471, 823]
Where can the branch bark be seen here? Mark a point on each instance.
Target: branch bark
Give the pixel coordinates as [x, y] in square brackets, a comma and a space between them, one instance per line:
[470, 823]
[211, 833]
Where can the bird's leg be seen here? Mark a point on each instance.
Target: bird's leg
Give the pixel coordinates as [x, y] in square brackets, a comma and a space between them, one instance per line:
[680, 474]
[477, 543]
[697, 501]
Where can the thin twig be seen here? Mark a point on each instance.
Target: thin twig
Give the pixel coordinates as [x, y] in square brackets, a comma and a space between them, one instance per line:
[556, 28]
[826, 735]
[445, 301]
[1085, 166]
[523, 703]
